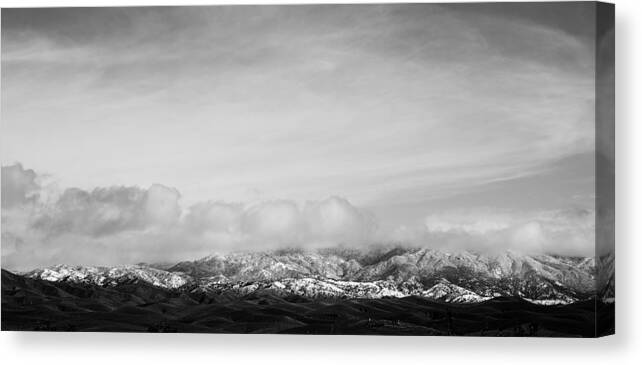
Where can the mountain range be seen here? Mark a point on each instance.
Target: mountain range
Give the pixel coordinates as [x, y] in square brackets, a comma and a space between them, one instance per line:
[380, 272]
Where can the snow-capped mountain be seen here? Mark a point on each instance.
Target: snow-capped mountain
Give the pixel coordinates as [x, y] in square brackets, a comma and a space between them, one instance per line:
[460, 277]
[507, 273]
[447, 292]
[605, 281]
[320, 288]
[312, 287]
[112, 276]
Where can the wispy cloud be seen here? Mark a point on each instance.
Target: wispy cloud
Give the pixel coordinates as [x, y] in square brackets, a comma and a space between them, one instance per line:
[293, 101]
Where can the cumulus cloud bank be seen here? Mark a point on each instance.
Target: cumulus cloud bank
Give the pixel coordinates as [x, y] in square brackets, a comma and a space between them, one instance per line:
[565, 232]
[19, 186]
[105, 211]
[127, 224]
[116, 225]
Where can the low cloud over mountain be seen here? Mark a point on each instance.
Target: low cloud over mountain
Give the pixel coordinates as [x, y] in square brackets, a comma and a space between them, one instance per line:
[119, 225]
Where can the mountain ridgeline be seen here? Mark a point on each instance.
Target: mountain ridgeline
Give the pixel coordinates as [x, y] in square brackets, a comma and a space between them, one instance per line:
[453, 277]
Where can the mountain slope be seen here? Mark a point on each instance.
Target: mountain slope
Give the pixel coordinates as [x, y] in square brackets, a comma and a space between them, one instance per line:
[376, 273]
[40, 305]
[112, 276]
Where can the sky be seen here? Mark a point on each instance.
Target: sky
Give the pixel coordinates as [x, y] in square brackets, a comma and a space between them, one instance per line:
[159, 134]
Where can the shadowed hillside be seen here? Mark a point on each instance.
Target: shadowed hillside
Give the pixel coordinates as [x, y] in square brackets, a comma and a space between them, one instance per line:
[33, 304]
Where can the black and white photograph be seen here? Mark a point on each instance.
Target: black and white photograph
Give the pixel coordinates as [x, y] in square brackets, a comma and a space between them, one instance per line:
[418, 169]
